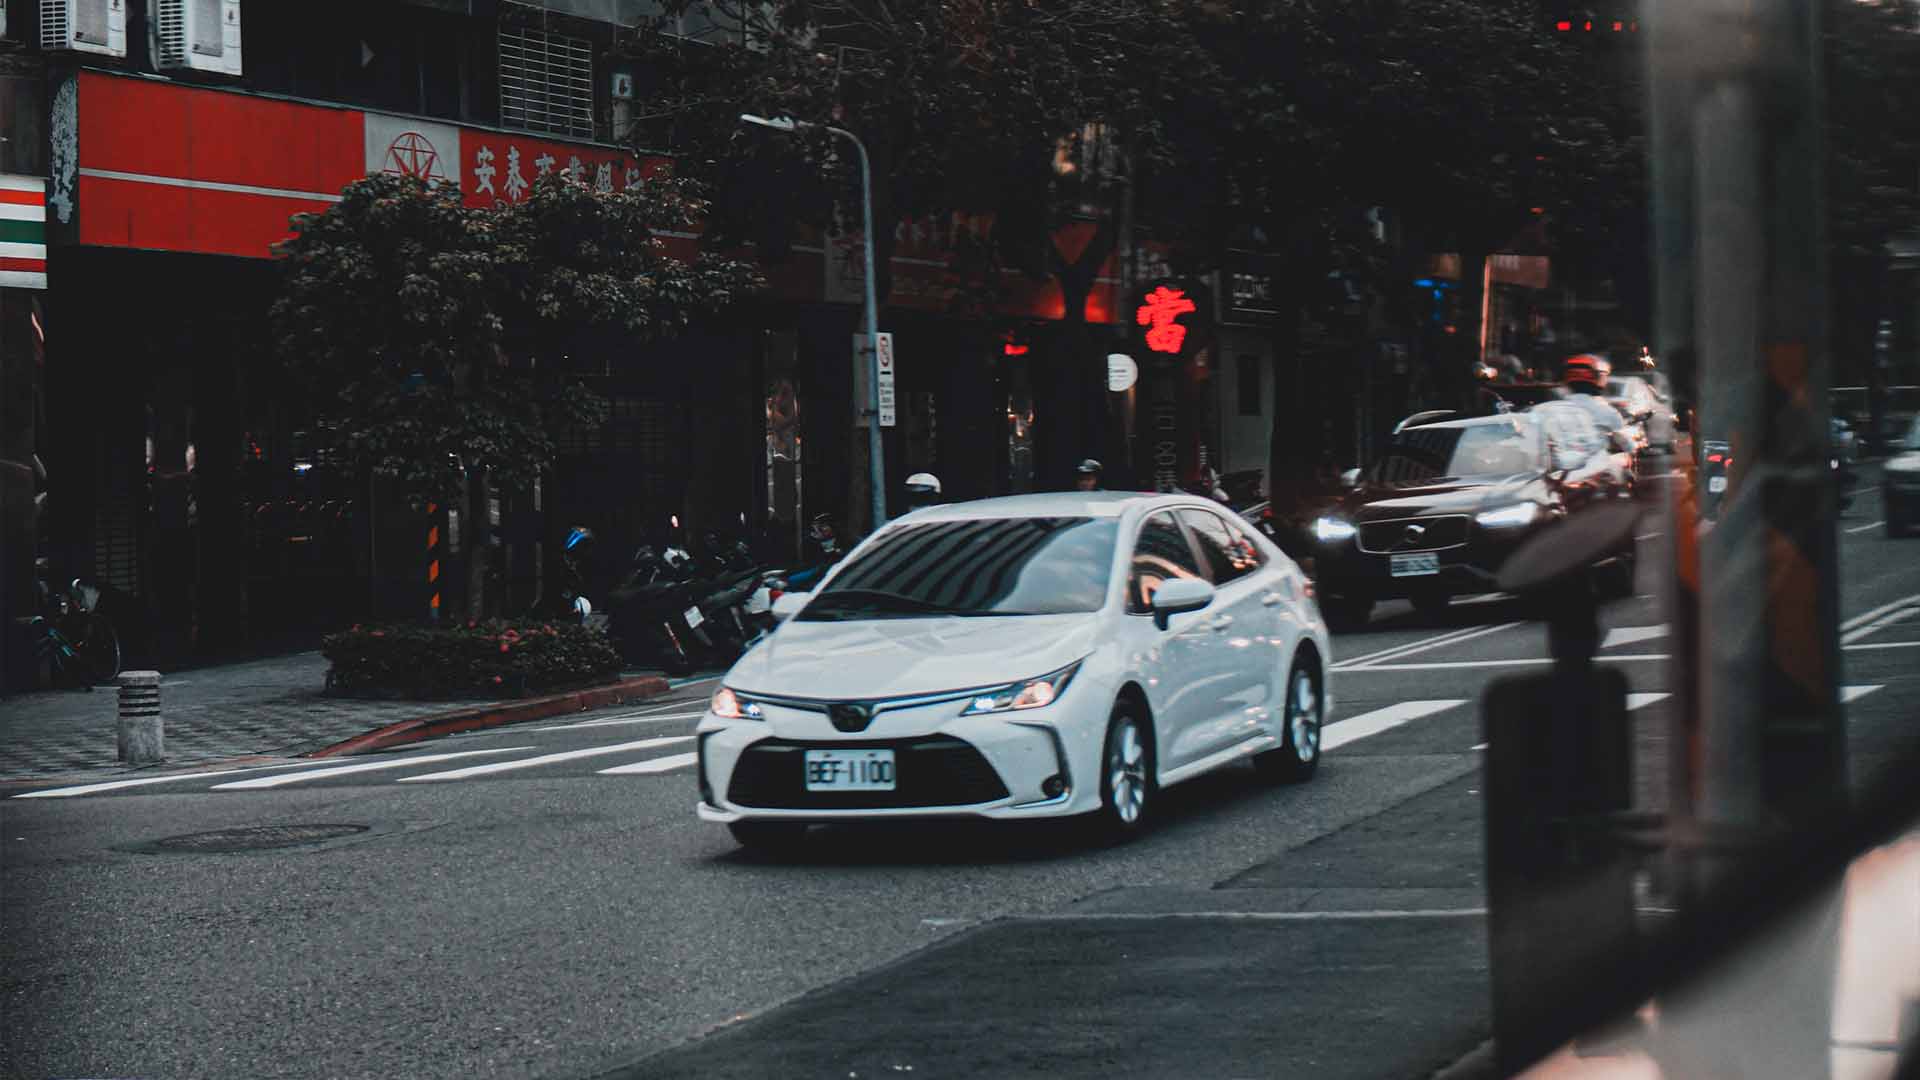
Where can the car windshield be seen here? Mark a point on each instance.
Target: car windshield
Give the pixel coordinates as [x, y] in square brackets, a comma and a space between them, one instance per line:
[1004, 566]
[1425, 455]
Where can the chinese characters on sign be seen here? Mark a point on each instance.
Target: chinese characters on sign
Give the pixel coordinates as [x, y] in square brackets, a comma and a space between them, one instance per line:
[1159, 313]
[496, 175]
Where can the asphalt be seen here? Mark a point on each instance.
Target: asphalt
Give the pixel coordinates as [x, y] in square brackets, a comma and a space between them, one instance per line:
[549, 920]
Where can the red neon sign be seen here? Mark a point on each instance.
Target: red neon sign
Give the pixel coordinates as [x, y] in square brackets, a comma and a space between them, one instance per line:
[1162, 307]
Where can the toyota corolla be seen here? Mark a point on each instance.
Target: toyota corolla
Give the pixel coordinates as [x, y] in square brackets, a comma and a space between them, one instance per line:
[1029, 657]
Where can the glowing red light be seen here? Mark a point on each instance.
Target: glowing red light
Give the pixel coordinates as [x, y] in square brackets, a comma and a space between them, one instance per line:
[1715, 458]
[1011, 349]
[1617, 26]
[1162, 307]
[1539, 209]
[1587, 26]
[1563, 26]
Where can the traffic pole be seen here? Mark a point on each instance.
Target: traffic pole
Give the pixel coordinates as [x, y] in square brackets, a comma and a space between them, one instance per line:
[1759, 746]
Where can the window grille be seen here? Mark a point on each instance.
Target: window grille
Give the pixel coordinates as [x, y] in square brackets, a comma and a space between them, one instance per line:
[546, 82]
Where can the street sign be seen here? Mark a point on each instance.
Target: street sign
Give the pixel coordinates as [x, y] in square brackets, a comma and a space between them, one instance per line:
[1121, 372]
[887, 412]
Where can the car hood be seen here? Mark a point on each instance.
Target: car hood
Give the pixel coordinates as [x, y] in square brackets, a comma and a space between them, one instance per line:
[877, 658]
[1445, 496]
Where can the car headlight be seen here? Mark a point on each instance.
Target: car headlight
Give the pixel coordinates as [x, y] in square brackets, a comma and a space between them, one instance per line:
[728, 705]
[1027, 694]
[1331, 530]
[1508, 517]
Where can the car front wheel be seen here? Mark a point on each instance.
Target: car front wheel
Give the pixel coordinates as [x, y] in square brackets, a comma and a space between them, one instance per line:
[1298, 756]
[1126, 776]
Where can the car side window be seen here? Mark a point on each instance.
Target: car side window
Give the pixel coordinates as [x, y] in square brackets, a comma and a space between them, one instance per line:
[1229, 554]
[1160, 554]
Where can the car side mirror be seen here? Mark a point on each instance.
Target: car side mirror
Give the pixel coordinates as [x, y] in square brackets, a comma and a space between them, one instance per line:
[1179, 595]
[1350, 479]
[788, 604]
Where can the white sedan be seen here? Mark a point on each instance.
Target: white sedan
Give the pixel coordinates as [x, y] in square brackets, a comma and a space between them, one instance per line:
[1027, 657]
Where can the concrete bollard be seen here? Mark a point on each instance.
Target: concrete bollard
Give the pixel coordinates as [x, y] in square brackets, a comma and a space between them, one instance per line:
[141, 734]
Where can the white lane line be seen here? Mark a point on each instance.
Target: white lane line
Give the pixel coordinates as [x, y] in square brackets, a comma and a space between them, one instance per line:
[1855, 693]
[1864, 528]
[1420, 647]
[1624, 658]
[1257, 916]
[610, 721]
[1490, 598]
[1353, 729]
[1871, 628]
[1627, 635]
[1650, 536]
[347, 770]
[1880, 645]
[1641, 701]
[547, 759]
[657, 765]
[1866, 617]
[1479, 746]
[1437, 639]
[115, 785]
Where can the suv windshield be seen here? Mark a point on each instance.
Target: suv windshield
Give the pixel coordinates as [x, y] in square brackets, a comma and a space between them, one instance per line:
[1424, 455]
[1010, 566]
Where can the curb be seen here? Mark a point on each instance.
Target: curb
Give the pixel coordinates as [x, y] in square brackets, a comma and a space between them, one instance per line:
[429, 727]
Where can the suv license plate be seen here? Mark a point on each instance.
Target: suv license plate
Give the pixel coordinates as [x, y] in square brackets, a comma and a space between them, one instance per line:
[1425, 562]
[849, 770]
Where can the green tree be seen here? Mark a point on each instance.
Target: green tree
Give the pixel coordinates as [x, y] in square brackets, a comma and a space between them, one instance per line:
[434, 336]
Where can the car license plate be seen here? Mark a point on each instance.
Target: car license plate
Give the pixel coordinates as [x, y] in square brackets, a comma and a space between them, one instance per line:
[694, 618]
[1716, 484]
[1425, 562]
[849, 770]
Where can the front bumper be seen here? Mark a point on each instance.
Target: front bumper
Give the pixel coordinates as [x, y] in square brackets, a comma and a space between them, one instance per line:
[994, 766]
[1468, 569]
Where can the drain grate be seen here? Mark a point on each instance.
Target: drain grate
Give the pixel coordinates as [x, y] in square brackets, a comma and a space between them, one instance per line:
[257, 838]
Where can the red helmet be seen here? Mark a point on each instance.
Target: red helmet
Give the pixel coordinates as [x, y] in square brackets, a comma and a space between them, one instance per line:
[1584, 368]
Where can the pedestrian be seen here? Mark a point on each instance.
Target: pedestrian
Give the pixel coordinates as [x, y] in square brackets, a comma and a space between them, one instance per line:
[1087, 476]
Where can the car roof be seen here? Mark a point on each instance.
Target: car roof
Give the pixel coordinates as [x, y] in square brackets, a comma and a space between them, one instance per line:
[1472, 421]
[1111, 504]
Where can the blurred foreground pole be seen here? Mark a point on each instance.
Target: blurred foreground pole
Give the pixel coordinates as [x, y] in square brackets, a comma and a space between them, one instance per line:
[1758, 743]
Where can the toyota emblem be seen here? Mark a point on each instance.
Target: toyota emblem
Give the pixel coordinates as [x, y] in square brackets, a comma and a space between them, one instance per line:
[850, 716]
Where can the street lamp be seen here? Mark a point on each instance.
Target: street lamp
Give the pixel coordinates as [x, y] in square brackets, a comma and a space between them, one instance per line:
[875, 460]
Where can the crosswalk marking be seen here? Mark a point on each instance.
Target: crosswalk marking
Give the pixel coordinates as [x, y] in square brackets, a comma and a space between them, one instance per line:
[116, 785]
[1627, 635]
[657, 765]
[548, 759]
[1641, 701]
[1855, 693]
[259, 782]
[1342, 732]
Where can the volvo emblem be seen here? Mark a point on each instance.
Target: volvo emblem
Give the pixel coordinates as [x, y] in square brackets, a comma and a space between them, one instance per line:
[1413, 534]
[850, 716]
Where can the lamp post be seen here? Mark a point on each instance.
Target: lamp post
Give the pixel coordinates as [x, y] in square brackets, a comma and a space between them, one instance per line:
[876, 463]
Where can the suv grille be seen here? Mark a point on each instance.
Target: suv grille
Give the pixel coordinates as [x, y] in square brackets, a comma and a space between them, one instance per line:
[934, 771]
[1397, 535]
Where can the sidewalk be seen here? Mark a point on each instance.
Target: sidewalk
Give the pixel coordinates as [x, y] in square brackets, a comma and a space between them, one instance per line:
[273, 707]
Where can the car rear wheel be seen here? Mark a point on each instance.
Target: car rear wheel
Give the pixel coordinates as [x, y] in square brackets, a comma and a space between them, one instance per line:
[1126, 776]
[771, 837]
[1299, 753]
[1347, 613]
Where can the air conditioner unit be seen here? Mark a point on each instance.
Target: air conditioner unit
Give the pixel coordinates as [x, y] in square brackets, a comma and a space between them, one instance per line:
[195, 35]
[88, 26]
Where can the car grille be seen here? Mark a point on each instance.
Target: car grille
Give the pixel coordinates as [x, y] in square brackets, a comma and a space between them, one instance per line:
[1437, 532]
[934, 771]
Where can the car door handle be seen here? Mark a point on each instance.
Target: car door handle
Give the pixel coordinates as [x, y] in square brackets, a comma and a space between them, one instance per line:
[1272, 599]
[1220, 623]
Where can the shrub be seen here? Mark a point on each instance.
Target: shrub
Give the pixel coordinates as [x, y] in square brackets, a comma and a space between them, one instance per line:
[493, 658]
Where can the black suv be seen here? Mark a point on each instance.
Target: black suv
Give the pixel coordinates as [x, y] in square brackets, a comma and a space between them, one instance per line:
[1439, 513]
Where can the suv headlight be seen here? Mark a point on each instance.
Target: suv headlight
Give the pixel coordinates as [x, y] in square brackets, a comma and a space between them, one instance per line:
[1331, 530]
[1508, 517]
[728, 705]
[1027, 694]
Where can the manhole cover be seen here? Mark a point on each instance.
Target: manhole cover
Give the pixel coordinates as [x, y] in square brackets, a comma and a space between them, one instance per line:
[257, 838]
